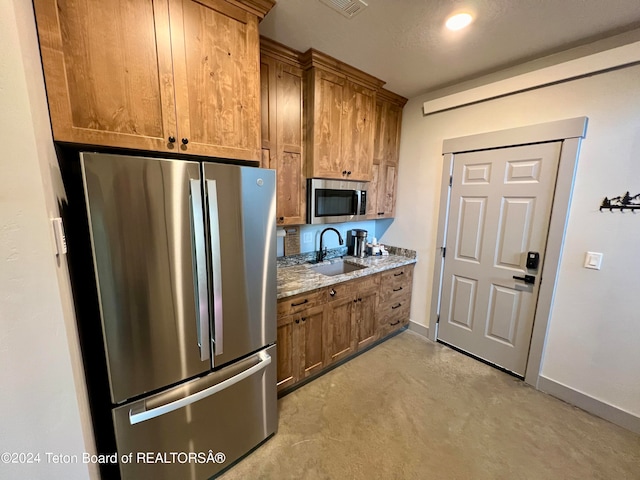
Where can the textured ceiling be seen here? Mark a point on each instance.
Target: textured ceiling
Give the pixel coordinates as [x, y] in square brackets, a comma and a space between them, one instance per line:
[404, 42]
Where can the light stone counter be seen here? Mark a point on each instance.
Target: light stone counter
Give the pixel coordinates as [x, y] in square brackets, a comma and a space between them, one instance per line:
[302, 278]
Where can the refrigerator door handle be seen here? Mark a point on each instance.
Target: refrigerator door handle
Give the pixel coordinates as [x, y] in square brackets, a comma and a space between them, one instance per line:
[202, 295]
[214, 234]
[141, 414]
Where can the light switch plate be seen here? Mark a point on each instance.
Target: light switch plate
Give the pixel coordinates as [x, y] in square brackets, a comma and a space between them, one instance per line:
[593, 260]
[306, 238]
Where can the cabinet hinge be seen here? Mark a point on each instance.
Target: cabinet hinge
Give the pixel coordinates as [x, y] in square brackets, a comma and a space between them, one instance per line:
[450, 180]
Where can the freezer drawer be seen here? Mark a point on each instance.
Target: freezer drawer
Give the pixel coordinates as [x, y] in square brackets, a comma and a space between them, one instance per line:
[232, 411]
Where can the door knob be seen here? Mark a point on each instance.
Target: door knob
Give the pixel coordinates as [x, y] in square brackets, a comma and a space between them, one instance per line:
[529, 279]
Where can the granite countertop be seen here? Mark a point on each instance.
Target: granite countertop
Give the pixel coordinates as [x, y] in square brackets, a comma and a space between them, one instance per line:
[301, 278]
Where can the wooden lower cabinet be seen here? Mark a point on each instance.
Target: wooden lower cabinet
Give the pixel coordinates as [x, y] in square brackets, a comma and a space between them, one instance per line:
[324, 326]
[395, 299]
[300, 345]
[341, 340]
[366, 319]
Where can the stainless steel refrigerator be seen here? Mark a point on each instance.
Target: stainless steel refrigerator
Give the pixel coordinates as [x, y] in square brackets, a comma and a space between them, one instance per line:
[184, 255]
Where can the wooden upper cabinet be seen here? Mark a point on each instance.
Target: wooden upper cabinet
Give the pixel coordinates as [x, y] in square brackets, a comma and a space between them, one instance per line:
[146, 74]
[216, 61]
[386, 148]
[108, 71]
[282, 121]
[325, 131]
[340, 116]
[357, 134]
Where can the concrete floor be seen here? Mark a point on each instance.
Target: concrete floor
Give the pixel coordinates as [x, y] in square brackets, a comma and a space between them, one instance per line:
[413, 409]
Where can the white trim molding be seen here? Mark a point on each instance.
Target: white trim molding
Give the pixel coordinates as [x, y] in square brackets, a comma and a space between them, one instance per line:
[541, 132]
[570, 132]
[419, 328]
[592, 405]
[573, 69]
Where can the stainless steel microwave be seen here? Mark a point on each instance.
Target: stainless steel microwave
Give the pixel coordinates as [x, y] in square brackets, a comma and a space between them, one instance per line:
[335, 201]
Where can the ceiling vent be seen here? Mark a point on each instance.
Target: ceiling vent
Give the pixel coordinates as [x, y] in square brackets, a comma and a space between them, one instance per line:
[348, 8]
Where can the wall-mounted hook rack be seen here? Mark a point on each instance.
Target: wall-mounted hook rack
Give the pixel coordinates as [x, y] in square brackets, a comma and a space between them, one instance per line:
[625, 202]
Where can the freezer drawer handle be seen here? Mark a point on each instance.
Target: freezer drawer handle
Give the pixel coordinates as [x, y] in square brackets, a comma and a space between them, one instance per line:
[141, 416]
[202, 297]
[216, 263]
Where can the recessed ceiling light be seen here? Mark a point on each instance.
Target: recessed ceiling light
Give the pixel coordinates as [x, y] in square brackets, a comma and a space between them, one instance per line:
[458, 21]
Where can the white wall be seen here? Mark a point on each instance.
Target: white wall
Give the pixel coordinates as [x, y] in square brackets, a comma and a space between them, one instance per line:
[42, 398]
[594, 334]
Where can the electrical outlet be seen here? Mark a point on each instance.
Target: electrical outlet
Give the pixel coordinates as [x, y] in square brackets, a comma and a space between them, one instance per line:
[306, 238]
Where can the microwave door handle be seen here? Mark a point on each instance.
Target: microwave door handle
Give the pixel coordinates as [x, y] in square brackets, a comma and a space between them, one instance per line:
[140, 414]
[359, 206]
[199, 247]
[216, 266]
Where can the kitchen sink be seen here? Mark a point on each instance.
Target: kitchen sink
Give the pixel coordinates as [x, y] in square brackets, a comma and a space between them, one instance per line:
[336, 268]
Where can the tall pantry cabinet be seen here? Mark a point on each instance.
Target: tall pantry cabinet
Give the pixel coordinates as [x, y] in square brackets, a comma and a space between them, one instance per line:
[386, 152]
[161, 75]
[281, 80]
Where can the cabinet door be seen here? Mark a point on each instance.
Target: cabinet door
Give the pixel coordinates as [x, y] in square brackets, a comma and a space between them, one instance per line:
[108, 72]
[366, 320]
[390, 132]
[288, 354]
[372, 192]
[311, 341]
[386, 201]
[341, 341]
[326, 121]
[291, 185]
[382, 190]
[357, 132]
[267, 109]
[216, 59]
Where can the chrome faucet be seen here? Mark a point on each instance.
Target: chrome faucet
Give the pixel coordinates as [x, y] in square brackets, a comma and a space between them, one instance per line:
[322, 253]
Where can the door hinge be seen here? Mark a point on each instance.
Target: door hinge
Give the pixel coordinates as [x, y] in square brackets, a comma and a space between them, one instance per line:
[438, 319]
[444, 251]
[450, 180]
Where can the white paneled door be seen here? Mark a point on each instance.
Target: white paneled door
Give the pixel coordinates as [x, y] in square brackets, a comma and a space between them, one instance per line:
[499, 213]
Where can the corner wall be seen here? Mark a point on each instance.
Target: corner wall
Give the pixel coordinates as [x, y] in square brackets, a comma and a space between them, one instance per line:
[594, 332]
[42, 399]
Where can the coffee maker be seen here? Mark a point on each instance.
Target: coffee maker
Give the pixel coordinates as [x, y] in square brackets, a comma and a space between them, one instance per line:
[356, 242]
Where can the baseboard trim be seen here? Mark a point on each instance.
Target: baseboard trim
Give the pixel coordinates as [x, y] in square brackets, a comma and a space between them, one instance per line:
[585, 402]
[419, 328]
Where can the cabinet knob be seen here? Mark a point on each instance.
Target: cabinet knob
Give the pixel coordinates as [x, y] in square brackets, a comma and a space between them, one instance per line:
[349, 172]
[355, 300]
[172, 139]
[332, 292]
[185, 141]
[304, 319]
[380, 213]
[297, 320]
[281, 219]
[344, 172]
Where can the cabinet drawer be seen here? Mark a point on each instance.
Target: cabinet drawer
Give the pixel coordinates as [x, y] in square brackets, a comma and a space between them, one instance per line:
[340, 291]
[394, 308]
[397, 277]
[393, 315]
[367, 282]
[397, 291]
[297, 303]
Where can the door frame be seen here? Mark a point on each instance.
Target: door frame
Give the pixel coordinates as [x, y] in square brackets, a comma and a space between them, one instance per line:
[570, 132]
